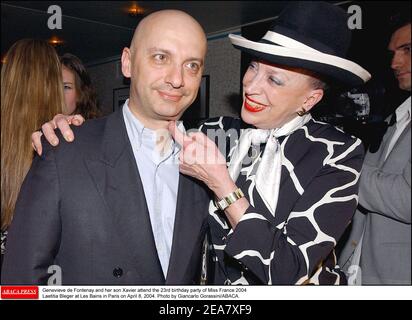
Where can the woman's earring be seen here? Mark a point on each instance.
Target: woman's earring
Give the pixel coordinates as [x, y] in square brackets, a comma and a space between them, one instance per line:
[302, 112]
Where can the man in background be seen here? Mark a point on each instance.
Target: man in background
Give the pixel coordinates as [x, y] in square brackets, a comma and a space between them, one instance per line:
[380, 238]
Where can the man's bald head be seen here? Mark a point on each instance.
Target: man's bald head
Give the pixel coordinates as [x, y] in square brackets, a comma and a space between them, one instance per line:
[165, 63]
[170, 20]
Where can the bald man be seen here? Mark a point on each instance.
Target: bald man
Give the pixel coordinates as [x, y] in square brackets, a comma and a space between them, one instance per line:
[111, 208]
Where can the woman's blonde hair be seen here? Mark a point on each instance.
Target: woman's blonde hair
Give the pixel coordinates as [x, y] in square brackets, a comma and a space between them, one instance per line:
[31, 94]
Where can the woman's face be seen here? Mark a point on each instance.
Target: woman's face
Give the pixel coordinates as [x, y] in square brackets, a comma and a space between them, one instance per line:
[69, 90]
[273, 94]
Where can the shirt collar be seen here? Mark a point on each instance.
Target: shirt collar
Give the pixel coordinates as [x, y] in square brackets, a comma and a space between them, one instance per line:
[404, 110]
[136, 128]
[144, 135]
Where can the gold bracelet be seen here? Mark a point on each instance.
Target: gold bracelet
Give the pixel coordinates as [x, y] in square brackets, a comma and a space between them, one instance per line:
[231, 198]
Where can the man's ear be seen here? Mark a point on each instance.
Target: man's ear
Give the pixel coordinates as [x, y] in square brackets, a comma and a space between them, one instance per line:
[314, 97]
[127, 62]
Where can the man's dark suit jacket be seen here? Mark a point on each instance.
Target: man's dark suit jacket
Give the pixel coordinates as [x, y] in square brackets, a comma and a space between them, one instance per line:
[82, 207]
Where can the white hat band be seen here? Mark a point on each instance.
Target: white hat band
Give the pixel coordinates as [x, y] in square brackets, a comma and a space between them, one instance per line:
[296, 49]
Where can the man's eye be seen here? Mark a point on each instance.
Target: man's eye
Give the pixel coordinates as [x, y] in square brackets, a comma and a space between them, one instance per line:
[407, 49]
[159, 57]
[193, 66]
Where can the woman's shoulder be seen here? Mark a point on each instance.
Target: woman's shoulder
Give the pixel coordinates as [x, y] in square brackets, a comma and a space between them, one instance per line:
[321, 130]
[320, 137]
[223, 123]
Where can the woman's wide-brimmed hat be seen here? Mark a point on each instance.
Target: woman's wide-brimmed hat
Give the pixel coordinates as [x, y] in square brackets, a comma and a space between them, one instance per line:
[313, 35]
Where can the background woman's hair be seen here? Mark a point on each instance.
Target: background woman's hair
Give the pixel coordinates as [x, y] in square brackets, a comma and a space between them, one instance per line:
[86, 98]
[31, 94]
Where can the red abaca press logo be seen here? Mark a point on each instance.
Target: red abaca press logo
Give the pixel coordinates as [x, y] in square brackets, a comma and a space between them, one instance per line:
[19, 292]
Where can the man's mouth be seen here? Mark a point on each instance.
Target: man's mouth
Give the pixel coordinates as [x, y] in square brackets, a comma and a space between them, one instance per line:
[253, 106]
[169, 96]
[403, 74]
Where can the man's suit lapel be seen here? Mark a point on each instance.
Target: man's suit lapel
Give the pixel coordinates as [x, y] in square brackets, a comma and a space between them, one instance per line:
[385, 143]
[402, 142]
[118, 181]
[191, 213]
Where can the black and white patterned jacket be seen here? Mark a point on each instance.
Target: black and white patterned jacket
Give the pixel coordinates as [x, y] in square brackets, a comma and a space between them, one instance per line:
[317, 199]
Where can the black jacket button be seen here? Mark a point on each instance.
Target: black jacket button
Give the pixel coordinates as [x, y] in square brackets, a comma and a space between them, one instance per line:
[117, 272]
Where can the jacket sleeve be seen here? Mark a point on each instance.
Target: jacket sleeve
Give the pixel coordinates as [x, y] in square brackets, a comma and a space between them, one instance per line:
[34, 235]
[385, 193]
[290, 253]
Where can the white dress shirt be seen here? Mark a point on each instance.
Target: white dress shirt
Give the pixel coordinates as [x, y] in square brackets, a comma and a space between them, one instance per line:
[159, 173]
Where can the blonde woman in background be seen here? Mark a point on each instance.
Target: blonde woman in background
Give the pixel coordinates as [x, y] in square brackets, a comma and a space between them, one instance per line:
[31, 93]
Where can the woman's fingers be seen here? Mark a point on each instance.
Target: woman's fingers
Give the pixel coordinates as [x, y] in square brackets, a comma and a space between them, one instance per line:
[77, 120]
[36, 142]
[63, 124]
[48, 131]
[178, 135]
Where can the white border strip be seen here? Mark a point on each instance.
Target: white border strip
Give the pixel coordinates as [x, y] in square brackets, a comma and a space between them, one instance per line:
[231, 293]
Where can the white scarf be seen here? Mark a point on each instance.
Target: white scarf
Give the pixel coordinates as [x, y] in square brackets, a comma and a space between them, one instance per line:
[267, 178]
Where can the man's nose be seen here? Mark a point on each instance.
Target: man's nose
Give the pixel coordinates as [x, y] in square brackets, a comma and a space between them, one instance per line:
[175, 76]
[397, 60]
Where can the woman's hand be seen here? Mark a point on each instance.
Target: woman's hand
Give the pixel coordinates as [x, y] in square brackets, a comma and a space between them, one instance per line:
[200, 158]
[61, 122]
